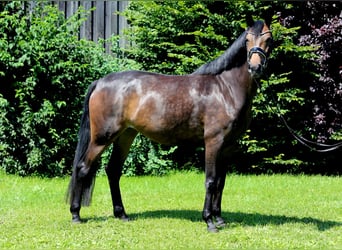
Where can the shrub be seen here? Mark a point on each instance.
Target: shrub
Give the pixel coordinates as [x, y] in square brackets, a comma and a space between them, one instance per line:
[44, 72]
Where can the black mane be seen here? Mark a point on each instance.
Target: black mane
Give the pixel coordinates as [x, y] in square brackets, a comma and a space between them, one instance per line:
[234, 56]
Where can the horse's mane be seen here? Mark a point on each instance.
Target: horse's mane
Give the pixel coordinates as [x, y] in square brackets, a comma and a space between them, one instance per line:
[234, 56]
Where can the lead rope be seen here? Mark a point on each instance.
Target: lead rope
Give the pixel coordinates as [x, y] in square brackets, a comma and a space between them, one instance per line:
[310, 144]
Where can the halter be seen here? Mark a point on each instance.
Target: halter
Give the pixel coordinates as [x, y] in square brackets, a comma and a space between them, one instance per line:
[258, 50]
[261, 53]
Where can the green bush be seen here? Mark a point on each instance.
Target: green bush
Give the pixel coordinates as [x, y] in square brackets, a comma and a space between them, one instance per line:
[148, 158]
[145, 158]
[44, 72]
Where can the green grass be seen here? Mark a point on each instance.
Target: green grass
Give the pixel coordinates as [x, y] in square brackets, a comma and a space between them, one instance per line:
[263, 212]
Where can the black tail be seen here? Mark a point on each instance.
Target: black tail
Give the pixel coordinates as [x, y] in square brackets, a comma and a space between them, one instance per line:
[82, 146]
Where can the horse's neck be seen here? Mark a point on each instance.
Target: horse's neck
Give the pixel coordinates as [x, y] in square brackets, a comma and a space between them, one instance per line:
[240, 82]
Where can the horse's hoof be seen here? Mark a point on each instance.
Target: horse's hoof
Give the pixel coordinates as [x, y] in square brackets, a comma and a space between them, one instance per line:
[220, 223]
[212, 229]
[124, 218]
[76, 219]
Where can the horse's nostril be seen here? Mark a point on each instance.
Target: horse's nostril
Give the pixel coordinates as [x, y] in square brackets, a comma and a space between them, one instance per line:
[259, 68]
[255, 70]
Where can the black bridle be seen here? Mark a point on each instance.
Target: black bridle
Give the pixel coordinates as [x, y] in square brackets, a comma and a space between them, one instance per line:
[262, 53]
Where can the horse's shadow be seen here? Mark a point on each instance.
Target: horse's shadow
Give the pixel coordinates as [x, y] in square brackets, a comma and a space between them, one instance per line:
[232, 219]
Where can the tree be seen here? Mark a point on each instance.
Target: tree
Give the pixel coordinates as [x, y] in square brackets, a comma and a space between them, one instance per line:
[323, 28]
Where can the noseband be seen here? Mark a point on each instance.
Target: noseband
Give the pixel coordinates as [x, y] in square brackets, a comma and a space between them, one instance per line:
[261, 53]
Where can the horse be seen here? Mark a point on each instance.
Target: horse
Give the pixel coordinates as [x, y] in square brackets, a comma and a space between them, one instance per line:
[212, 105]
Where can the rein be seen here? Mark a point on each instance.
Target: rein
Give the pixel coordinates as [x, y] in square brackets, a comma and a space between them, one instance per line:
[308, 143]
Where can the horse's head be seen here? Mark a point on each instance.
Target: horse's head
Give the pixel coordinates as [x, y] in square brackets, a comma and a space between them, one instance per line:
[258, 45]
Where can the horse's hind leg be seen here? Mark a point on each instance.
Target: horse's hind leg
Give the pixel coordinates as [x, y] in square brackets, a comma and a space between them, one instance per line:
[83, 180]
[85, 174]
[114, 170]
[75, 203]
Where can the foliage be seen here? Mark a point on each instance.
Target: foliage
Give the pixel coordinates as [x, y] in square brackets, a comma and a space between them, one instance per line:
[320, 77]
[147, 158]
[44, 72]
[325, 90]
[175, 36]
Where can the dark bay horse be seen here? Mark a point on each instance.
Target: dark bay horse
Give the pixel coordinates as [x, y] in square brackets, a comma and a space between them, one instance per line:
[211, 105]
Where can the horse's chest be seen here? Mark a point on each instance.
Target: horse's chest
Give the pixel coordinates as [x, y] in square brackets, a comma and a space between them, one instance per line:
[240, 123]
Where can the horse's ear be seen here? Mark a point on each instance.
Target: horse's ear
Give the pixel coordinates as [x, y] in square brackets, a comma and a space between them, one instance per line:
[268, 18]
[249, 20]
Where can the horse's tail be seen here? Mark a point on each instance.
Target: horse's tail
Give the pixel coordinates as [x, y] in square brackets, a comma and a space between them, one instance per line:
[88, 181]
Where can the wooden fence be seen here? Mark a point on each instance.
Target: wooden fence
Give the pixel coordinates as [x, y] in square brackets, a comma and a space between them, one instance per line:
[103, 21]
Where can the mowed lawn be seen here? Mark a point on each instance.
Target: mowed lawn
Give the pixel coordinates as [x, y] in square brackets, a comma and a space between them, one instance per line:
[263, 212]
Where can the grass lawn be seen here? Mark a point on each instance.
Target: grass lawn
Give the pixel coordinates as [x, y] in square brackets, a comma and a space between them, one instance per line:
[263, 212]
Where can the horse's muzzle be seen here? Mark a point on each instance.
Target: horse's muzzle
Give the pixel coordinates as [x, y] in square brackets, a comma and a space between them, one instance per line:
[256, 65]
[255, 70]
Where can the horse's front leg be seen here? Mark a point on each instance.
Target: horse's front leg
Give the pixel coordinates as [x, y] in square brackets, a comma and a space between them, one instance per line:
[114, 172]
[114, 184]
[212, 147]
[222, 168]
[217, 198]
